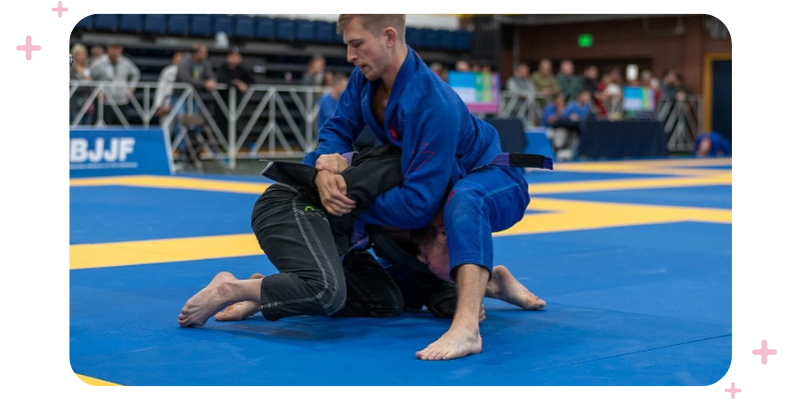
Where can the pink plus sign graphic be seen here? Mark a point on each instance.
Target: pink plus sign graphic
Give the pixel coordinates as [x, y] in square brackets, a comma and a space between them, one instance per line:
[733, 390]
[60, 9]
[28, 48]
[764, 352]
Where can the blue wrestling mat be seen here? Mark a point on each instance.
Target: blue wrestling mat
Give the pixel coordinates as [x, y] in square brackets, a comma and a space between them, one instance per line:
[635, 267]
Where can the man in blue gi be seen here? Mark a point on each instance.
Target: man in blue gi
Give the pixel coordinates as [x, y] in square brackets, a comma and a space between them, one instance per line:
[447, 156]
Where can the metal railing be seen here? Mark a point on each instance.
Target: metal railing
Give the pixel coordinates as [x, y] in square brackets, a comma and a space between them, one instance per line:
[286, 112]
[682, 117]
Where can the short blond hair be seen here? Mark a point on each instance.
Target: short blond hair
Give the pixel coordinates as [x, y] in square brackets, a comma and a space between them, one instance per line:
[376, 23]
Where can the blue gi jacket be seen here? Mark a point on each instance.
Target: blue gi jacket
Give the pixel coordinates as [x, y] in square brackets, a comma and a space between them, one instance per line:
[441, 141]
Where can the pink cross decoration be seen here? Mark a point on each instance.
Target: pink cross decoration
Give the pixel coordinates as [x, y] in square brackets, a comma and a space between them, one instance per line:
[60, 9]
[764, 352]
[733, 390]
[28, 48]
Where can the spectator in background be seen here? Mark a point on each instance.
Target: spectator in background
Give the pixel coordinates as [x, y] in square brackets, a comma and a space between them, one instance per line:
[545, 82]
[462, 66]
[123, 76]
[592, 84]
[579, 109]
[570, 84]
[315, 72]
[95, 54]
[439, 70]
[327, 104]
[553, 110]
[574, 113]
[712, 144]
[612, 92]
[232, 73]
[166, 81]
[79, 73]
[521, 92]
[669, 85]
[486, 69]
[197, 71]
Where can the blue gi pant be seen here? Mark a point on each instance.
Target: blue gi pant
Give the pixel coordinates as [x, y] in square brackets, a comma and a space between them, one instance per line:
[490, 199]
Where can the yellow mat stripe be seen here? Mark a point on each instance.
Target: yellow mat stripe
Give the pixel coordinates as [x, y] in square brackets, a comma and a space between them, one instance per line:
[561, 216]
[95, 381]
[627, 184]
[170, 182]
[82, 256]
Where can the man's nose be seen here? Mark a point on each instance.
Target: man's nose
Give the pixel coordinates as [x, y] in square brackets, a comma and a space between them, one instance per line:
[351, 55]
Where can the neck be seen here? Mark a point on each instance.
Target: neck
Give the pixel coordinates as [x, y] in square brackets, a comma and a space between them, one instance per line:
[398, 57]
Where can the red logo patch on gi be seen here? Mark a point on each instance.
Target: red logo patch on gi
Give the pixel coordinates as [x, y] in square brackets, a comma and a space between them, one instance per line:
[450, 196]
[393, 132]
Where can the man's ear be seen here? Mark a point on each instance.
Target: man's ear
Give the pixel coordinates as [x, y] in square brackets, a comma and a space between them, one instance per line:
[441, 235]
[391, 36]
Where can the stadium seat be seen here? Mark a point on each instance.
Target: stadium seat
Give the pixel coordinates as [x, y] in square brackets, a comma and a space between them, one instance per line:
[285, 29]
[131, 23]
[265, 28]
[200, 25]
[223, 23]
[414, 37]
[430, 40]
[325, 32]
[155, 23]
[463, 40]
[178, 24]
[304, 31]
[446, 40]
[106, 22]
[243, 27]
[85, 24]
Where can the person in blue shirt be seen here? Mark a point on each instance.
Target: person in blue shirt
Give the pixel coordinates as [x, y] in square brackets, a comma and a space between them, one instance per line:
[327, 104]
[712, 144]
[580, 108]
[447, 156]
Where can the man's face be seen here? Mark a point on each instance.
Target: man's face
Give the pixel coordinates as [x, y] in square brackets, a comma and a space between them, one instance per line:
[176, 58]
[366, 50]
[545, 67]
[201, 53]
[523, 71]
[434, 253]
[114, 52]
[567, 68]
[234, 59]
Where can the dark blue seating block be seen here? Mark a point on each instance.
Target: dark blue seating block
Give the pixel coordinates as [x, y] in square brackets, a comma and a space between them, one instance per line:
[430, 40]
[244, 27]
[131, 23]
[325, 32]
[200, 25]
[304, 31]
[446, 40]
[178, 24]
[463, 40]
[223, 23]
[155, 23]
[106, 22]
[265, 28]
[85, 24]
[414, 37]
[285, 30]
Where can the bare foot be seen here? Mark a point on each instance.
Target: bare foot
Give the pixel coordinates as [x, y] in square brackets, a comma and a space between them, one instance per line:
[504, 286]
[241, 310]
[455, 343]
[206, 302]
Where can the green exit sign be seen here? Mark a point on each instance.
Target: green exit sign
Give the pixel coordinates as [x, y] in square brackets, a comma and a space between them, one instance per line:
[585, 40]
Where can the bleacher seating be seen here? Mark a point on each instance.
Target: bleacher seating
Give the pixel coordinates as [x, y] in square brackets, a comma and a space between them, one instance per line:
[178, 24]
[285, 29]
[414, 37]
[106, 22]
[130, 23]
[463, 40]
[265, 28]
[243, 27]
[200, 25]
[223, 23]
[324, 32]
[155, 24]
[305, 31]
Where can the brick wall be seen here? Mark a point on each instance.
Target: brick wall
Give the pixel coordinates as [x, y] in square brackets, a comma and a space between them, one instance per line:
[652, 43]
